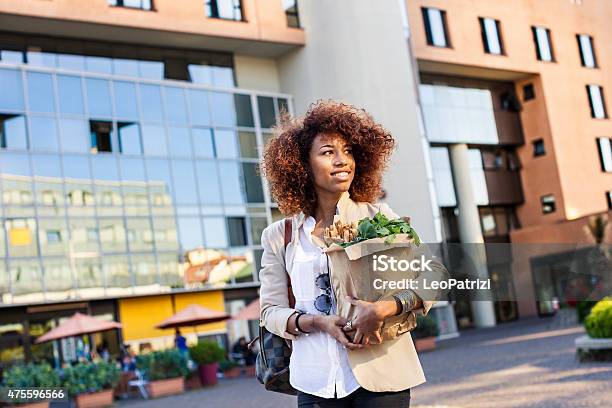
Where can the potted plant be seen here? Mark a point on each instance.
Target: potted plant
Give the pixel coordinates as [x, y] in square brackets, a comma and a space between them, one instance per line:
[229, 368]
[597, 344]
[425, 333]
[208, 355]
[31, 375]
[165, 370]
[91, 384]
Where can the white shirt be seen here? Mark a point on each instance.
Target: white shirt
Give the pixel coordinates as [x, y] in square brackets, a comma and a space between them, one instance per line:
[319, 363]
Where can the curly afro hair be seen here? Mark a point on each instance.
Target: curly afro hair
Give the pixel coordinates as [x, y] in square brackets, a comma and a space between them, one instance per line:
[285, 162]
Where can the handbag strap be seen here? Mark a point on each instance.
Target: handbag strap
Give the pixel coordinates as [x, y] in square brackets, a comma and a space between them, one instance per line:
[288, 232]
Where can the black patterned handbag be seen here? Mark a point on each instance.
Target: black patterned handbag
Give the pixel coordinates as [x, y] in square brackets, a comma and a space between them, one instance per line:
[272, 364]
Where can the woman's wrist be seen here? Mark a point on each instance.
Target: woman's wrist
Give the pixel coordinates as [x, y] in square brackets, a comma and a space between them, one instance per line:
[386, 308]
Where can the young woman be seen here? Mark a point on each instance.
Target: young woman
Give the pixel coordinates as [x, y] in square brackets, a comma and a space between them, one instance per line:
[330, 162]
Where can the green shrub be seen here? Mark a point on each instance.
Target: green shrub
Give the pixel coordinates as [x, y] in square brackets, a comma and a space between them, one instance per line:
[30, 375]
[227, 364]
[207, 352]
[583, 308]
[90, 377]
[160, 365]
[598, 323]
[426, 327]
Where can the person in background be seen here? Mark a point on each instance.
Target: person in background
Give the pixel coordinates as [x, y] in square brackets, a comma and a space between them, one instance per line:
[180, 343]
[241, 347]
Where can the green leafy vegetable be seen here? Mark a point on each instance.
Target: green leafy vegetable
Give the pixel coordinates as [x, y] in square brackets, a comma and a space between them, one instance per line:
[381, 227]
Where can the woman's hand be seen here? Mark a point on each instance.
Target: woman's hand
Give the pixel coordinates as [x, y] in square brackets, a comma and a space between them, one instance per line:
[369, 319]
[333, 325]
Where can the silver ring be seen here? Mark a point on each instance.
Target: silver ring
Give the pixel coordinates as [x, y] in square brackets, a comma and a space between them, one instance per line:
[349, 324]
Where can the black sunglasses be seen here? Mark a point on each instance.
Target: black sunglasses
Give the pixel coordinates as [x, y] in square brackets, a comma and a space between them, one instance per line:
[323, 302]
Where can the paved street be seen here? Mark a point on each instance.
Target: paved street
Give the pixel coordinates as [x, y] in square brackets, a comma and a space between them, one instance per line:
[526, 364]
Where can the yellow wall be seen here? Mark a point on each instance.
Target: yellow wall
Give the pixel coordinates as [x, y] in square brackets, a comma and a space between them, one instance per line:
[140, 315]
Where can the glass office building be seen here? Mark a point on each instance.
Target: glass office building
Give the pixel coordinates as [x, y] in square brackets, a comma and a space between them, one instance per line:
[121, 177]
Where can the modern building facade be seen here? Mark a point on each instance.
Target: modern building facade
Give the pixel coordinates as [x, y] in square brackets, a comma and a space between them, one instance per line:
[513, 95]
[130, 134]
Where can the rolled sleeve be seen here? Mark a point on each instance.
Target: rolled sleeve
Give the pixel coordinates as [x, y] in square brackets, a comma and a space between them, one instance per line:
[273, 295]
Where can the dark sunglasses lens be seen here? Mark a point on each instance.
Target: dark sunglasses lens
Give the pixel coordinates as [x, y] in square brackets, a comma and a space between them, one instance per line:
[322, 281]
[323, 303]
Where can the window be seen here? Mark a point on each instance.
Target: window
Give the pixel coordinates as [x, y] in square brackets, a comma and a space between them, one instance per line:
[129, 138]
[54, 236]
[138, 4]
[12, 132]
[491, 36]
[587, 54]
[596, 102]
[100, 136]
[548, 204]
[237, 231]
[291, 11]
[604, 146]
[543, 44]
[538, 148]
[435, 27]
[528, 92]
[224, 9]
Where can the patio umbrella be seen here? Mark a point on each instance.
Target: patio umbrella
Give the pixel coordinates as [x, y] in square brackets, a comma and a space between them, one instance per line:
[249, 312]
[192, 315]
[77, 325]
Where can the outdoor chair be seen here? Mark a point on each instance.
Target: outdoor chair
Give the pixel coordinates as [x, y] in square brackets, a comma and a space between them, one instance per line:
[140, 383]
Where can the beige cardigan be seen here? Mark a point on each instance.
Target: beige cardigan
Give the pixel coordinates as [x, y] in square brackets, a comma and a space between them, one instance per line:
[390, 366]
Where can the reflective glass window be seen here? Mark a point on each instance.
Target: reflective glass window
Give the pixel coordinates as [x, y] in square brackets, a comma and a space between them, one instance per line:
[125, 67]
[17, 164]
[150, 102]
[185, 190]
[104, 168]
[223, 77]
[267, 116]
[40, 92]
[232, 183]
[145, 269]
[11, 96]
[132, 169]
[223, 113]
[151, 69]
[42, 59]
[76, 167]
[248, 145]
[52, 235]
[100, 65]
[179, 141]
[70, 94]
[43, 134]
[125, 100]
[226, 145]
[12, 57]
[74, 135]
[208, 182]
[83, 234]
[154, 140]
[116, 270]
[140, 234]
[203, 142]
[236, 227]
[58, 277]
[129, 138]
[244, 113]
[71, 61]
[198, 101]
[21, 234]
[158, 173]
[46, 165]
[98, 98]
[190, 233]
[165, 234]
[215, 231]
[13, 132]
[257, 227]
[101, 135]
[176, 111]
[88, 273]
[252, 181]
[200, 74]
[26, 277]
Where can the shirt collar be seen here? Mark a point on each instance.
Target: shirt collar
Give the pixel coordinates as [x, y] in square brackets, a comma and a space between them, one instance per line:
[309, 221]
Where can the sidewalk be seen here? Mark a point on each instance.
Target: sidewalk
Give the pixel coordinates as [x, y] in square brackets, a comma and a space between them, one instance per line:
[526, 364]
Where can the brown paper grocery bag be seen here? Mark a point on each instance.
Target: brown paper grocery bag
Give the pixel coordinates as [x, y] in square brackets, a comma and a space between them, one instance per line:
[352, 273]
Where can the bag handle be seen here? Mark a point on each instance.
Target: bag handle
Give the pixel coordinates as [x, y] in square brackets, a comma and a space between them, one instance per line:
[288, 231]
